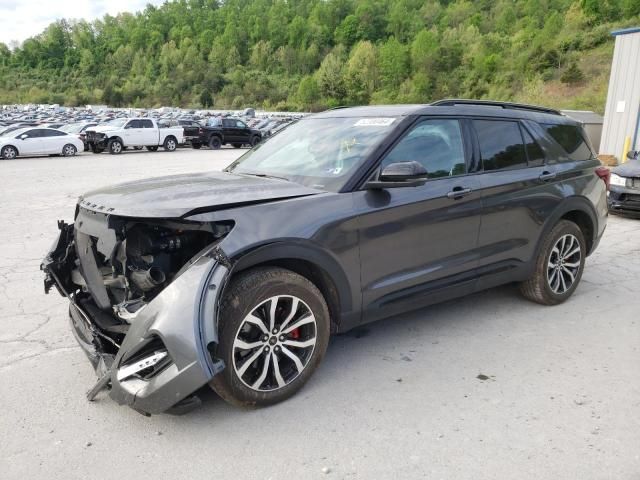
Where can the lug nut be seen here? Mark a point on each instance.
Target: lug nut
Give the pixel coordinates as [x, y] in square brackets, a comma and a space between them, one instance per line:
[282, 338]
[266, 349]
[275, 330]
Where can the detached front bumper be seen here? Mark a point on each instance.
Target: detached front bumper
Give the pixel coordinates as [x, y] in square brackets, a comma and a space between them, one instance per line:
[167, 350]
[624, 200]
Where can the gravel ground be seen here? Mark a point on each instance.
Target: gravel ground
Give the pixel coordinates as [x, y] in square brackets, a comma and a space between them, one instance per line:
[490, 386]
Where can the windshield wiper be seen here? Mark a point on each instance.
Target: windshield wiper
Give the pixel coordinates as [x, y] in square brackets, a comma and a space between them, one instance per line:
[263, 175]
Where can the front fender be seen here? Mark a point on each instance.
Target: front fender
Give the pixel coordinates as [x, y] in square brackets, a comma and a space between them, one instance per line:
[184, 317]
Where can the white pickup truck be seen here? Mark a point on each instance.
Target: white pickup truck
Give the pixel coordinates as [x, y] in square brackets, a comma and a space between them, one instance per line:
[121, 133]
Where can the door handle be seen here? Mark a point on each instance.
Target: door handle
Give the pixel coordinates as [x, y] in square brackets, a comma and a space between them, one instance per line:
[459, 192]
[546, 176]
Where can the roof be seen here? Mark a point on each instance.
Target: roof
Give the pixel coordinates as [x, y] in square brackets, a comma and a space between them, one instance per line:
[584, 116]
[625, 31]
[452, 107]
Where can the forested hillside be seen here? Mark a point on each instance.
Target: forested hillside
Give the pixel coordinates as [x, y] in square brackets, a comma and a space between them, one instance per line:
[312, 54]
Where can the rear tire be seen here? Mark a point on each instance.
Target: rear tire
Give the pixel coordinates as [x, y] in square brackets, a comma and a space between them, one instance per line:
[215, 143]
[558, 267]
[170, 144]
[281, 358]
[115, 147]
[9, 152]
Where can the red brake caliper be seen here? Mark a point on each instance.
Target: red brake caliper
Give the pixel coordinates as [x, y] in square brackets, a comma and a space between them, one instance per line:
[295, 333]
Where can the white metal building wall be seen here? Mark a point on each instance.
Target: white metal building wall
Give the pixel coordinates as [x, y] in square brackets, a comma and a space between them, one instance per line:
[623, 99]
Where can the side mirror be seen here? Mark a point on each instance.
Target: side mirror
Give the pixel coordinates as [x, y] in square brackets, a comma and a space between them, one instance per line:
[400, 174]
[632, 155]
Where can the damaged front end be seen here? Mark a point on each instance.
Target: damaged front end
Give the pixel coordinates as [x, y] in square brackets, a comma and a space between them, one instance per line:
[143, 299]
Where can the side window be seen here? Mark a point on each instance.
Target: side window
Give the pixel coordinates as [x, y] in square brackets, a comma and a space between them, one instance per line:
[534, 152]
[32, 133]
[146, 123]
[501, 146]
[240, 124]
[571, 139]
[228, 123]
[436, 144]
[133, 124]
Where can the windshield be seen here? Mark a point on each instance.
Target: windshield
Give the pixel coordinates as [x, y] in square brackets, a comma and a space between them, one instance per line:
[116, 122]
[316, 152]
[71, 128]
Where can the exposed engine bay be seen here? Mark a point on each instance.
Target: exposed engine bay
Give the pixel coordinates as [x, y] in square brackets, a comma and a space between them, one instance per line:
[119, 264]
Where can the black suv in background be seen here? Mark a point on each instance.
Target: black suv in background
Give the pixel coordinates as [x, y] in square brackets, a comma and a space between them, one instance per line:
[238, 278]
[223, 131]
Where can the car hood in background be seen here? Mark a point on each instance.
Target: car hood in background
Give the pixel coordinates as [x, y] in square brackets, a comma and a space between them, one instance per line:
[103, 128]
[176, 196]
[631, 168]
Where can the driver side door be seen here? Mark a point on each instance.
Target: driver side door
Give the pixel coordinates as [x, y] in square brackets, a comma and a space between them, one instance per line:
[133, 133]
[418, 244]
[31, 144]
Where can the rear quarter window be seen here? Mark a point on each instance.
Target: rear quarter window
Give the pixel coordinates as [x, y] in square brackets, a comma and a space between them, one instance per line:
[572, 140]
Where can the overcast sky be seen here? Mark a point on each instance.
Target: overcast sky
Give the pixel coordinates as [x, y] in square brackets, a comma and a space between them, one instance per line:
[22, 19]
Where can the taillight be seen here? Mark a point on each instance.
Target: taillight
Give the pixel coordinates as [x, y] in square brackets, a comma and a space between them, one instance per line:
[605, 174]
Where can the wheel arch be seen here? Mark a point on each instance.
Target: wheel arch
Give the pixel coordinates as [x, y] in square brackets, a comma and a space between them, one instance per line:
[116, 137]
[580, 211]
[311, 262]
[13, 146]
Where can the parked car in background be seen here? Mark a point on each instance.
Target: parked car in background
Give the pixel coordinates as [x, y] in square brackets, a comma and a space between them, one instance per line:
[191, 130]
[38, 141]
[236, 279]
[624, 191]
[116, 135]
[79, 129]
[219, 132]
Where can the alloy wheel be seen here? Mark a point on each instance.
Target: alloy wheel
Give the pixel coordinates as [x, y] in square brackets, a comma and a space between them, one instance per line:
[116, 147]
[171, 145]
[9, 153]
[564, 264]
[69, 151]
[274, 343]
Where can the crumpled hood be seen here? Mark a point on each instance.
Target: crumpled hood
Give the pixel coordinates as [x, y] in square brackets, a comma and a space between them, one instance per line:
[176, 196]
[631, 168]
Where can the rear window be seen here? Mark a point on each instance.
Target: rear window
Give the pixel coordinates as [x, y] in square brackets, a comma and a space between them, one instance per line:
[501, 146]
[571, 139]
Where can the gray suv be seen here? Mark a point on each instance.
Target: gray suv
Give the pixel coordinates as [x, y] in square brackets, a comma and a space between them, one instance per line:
[237, 279]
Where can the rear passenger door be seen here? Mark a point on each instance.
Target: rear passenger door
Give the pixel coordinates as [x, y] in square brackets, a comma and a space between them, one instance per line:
[150, 135]
[517, 195]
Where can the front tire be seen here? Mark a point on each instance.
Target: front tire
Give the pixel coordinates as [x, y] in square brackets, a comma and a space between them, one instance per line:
[559, 265]
[69, 150]
[115, 147]
[9, 152]
[152, 149]
[170, 144]
[274, 331]
[255, 141]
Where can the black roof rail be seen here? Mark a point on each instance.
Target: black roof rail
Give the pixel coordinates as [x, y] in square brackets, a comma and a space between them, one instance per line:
[491, 103]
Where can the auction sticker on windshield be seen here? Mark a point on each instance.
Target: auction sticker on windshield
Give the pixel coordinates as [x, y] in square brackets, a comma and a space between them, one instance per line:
[374, 122]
